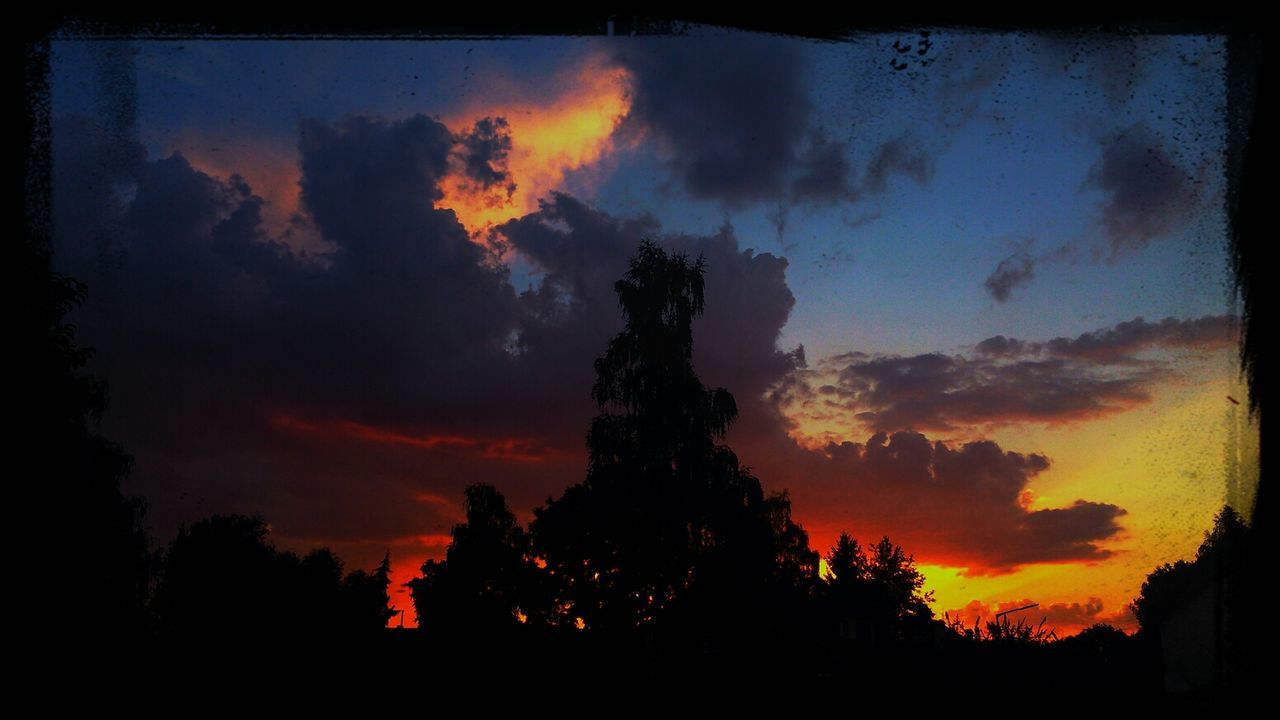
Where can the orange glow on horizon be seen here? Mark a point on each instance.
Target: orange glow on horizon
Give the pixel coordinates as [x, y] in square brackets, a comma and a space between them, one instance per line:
[1170, 464]
[570, 132]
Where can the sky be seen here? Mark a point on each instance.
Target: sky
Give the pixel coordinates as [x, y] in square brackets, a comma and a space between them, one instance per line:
[970, 290]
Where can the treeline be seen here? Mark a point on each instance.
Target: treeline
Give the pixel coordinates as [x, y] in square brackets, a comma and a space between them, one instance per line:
[219, 581]
[668, 539]
[666, 564]
[670, 567]
[221, 578]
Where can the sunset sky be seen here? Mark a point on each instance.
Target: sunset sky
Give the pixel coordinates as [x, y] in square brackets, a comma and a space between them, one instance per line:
[970, 290]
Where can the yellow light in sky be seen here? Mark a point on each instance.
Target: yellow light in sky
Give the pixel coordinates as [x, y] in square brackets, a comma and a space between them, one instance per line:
[1167, 463]
[570, 132]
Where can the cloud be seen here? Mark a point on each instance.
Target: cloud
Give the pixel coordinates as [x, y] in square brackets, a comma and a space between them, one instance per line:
[1118, 344]
[1147, 193]
[731, 111]
[1064, 619]
[248, 377]
[582, 252]
[901, 155]
[270, 168]
[734, 120]
[1000, 381]
[824, 173]
[1001, 346]
[558, 135]
[485, 150]
[962, 505]
[1014, 271]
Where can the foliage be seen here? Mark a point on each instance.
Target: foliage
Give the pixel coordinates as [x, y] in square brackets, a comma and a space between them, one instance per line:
[1002, 631]
[366, 596]
[880, 586]
[1170, 585]
[667, 525]
[221, 579]
[75, 472]
[487, 579]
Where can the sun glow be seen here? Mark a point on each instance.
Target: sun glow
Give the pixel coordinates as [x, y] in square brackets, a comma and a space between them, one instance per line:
[570, 133]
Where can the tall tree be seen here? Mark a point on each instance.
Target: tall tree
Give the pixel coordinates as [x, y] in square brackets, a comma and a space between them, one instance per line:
[487, 580]
[878, 587]
[367, 599]
[667, 525]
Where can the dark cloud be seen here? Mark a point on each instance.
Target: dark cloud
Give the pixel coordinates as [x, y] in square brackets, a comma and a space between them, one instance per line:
[328, 392]
[961, 505]
[1003, 380]
[732, 111]
[207, 328]
[583, 252]
[901, 155]
[1147, 192]
[1014, 271]
[943, 392]
[735, 119]
[1119, 343]
[484, 151]
[1000, 346]
[824, 173]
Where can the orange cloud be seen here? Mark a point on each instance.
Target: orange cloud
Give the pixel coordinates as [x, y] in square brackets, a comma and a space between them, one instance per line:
[568, 132]
[512, 449]
[271, 170]
[562, 138]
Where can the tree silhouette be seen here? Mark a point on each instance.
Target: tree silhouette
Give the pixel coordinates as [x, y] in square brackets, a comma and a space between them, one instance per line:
[221, 581]
[76, 473]
[486, 581]
[667, 528]
[1222, 592]
[877, 588]
[366, 597]
[1171, 585]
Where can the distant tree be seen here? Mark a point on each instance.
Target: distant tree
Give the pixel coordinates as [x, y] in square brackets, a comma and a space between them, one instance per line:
[893, 572]
[487, 580]
[667, 527]
[1226, 573]
[1169, 586]
[366, 597]
[879, 587]
[311, 591]
[222, 580]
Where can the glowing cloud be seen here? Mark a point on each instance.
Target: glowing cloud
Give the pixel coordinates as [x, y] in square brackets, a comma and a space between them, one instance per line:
[569, 132]
[999, 382]
[271, 170]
